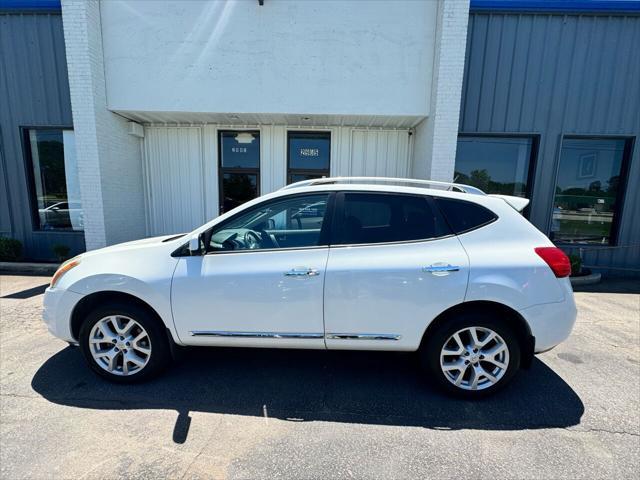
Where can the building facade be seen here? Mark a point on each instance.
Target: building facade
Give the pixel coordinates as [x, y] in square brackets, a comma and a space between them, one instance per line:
[182, 110]
[551, 111]
[185, 109]
[39, 187]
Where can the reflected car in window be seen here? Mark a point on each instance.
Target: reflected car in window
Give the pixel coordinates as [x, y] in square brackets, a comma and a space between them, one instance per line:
[62, 216]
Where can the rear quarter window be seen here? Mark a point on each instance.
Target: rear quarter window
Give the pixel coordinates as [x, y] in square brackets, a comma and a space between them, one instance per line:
[463, 216]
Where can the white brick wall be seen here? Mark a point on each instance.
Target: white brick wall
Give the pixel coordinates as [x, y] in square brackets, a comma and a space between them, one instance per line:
[436, 136]
[109, 160]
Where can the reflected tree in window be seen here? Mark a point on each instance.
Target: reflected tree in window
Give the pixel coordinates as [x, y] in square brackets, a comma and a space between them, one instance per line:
[494, 164]
[587, 189]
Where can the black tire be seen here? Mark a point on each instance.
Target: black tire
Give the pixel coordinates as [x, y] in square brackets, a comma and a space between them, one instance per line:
[433, 345]
[160, 355]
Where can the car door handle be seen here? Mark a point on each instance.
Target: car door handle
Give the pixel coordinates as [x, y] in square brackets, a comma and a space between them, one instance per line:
[440, 268]
[302, 272]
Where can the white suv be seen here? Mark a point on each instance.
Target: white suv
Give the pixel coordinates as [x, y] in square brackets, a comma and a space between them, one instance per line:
[334, 263]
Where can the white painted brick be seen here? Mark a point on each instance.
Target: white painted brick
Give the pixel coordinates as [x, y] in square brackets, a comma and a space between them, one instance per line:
[109, 160]
[436, 137]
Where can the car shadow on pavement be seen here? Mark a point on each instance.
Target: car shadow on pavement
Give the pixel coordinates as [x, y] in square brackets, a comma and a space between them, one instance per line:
[28, 293]
[305, 385]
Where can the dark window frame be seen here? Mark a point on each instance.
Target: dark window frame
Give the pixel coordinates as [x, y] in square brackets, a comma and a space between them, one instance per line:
[625, 166]
[223, 170]
[533, 158]
[31, 181]
[323, 172]
[337, 227]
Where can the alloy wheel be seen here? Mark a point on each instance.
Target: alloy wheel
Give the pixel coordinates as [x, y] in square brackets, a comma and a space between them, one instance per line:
[120, 345]
[474, 358]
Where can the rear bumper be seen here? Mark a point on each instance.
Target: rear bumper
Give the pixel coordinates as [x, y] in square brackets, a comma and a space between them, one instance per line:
[551, 323]
[58, 305]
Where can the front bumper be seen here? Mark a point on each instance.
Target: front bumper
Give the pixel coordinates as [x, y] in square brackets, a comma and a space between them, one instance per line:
[551, 323]
[58, 305]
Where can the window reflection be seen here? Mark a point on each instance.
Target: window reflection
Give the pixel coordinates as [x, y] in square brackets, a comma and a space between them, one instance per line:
[587, 189]
[494, 164]
[55, 183]
[289, 223]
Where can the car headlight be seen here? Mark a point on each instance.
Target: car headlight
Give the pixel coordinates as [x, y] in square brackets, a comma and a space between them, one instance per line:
[64, 268]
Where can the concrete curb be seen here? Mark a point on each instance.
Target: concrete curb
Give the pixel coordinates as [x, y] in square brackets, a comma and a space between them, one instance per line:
[29, 268]
[590, 279]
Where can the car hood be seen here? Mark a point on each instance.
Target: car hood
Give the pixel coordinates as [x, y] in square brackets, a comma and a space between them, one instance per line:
[144, 242]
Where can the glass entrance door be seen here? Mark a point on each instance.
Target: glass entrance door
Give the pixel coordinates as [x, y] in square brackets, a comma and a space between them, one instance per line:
[239, 168]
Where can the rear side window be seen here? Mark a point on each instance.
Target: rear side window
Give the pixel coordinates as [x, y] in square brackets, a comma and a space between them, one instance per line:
[464, 216]
[383, 218]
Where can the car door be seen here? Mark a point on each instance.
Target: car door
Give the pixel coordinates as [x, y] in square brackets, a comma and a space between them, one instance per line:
[261, 281]
[393, 266]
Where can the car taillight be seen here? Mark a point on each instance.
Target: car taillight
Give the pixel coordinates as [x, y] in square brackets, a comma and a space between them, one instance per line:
[556, 259]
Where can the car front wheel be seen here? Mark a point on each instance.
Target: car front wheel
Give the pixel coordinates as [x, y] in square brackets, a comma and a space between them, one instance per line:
[124, 343]
[472, 355]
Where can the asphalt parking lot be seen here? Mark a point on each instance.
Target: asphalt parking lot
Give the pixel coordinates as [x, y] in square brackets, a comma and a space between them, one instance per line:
[226, 413]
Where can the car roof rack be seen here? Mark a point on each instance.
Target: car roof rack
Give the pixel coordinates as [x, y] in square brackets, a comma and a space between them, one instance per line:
[460, 187]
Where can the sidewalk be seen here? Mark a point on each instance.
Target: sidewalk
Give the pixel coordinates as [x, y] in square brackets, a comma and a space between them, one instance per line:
[27, 268]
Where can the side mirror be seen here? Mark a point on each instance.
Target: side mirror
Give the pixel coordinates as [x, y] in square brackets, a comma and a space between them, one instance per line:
[194, 245]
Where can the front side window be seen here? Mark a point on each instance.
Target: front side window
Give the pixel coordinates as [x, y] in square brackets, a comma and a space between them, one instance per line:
[294, 222]
[589, 189]
[53, 172]
[383, 218]
[239, 168]
[495, 164]
[308, 155]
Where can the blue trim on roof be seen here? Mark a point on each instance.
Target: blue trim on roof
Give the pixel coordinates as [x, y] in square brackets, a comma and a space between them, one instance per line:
[604, 6]
[30, 5]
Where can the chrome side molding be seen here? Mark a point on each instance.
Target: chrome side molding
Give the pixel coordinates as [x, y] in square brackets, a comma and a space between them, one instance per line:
[362, 336]
[296, 335]
[209, 333]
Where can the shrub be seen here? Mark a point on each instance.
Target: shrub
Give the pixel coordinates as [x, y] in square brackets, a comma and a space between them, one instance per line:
[10, 249]
[61, 251]
[576, 264]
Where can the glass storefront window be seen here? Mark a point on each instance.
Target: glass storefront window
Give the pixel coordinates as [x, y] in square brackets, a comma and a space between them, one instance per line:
[240, 149]
[588, 189]
[495, 164]
[55, 187]
[308, 155]
[239, 168]
[238, 188]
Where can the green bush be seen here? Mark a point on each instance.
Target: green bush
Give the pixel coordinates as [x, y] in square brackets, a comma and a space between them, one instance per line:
[576, 264]
[61, 251]
[10, 249]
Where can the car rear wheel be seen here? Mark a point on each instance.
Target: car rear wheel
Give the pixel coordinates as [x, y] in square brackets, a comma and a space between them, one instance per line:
[124, 343]
[472, 355]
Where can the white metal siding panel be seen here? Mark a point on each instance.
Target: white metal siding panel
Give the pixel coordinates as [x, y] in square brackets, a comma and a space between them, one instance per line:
[210, 159]
[273, 158]
[380, 153]
[175, 179]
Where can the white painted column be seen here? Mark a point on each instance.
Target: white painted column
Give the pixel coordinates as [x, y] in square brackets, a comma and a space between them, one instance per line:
[109, 159]
[436, 136]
